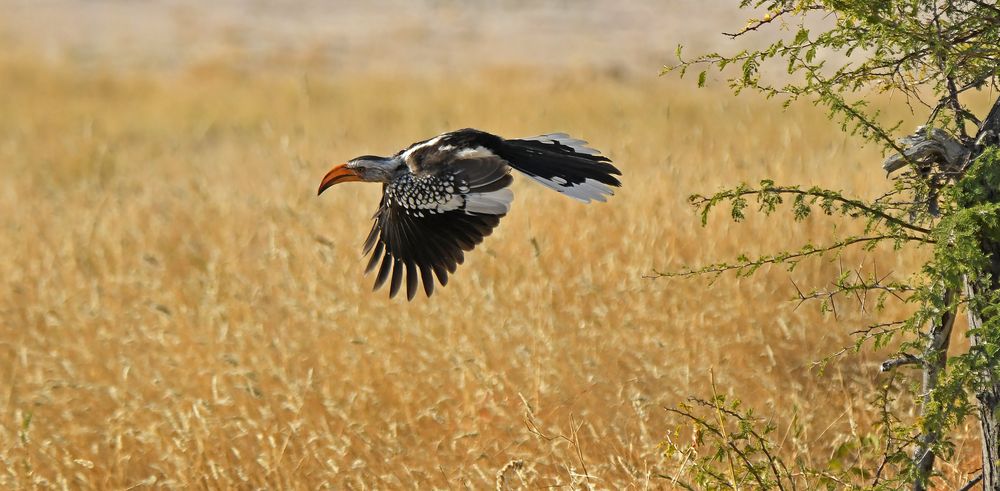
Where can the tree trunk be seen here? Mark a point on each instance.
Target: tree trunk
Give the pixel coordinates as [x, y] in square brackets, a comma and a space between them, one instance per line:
[934, 359]
[988, 393]
[935, 355]
[988, 397]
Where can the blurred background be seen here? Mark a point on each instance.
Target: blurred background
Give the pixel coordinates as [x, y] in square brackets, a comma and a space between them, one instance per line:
[387, 36]
[178, 309]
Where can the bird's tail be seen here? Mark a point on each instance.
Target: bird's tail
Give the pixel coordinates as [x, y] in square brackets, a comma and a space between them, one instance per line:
[563, 163]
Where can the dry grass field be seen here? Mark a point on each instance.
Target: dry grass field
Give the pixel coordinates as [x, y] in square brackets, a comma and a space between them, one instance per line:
[178, 309]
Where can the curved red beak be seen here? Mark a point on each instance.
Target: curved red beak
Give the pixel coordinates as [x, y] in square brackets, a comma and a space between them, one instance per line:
[337, 175]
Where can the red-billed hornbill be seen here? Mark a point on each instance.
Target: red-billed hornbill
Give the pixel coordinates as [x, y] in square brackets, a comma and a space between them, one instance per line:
[441, 196]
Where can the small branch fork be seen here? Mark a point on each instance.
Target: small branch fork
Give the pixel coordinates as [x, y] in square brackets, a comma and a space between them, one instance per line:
[859, 287]
[756, 24]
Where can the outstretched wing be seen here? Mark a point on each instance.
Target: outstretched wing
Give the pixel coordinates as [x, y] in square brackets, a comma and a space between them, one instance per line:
[563, 163]
[427, 221]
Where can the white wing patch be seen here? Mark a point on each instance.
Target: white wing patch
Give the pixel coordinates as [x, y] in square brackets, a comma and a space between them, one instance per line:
[433, 141]
[492, 203]
[474, 153]
[578, 145]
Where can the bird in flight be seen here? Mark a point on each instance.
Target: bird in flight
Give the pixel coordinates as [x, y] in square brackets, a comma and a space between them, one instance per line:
[442, 196]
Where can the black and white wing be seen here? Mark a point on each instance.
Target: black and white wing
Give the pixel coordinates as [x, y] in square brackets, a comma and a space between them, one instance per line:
[426, 221]
[556, 160]
[563, 163]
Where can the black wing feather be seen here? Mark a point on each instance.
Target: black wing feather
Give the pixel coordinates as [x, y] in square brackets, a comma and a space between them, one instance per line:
[426, 245]
[411, 280]
[383, 271]
[397, 278]
[376, 256]
[429, 245]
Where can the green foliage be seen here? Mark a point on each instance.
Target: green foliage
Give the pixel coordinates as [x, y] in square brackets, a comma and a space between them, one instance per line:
[724, 445]
[903, 46]
[730, 445]
[971, 215]
[882, 223]
[838, 54]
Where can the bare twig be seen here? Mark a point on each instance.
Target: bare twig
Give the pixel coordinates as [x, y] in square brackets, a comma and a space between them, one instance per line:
[972, 483]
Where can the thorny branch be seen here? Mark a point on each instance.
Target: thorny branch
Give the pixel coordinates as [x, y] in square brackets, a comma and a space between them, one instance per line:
[859, 205]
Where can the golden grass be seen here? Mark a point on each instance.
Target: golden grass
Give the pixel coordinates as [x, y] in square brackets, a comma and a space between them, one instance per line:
[179, 309]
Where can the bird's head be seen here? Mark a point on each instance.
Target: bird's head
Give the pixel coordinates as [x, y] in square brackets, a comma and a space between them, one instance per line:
[369, 168]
